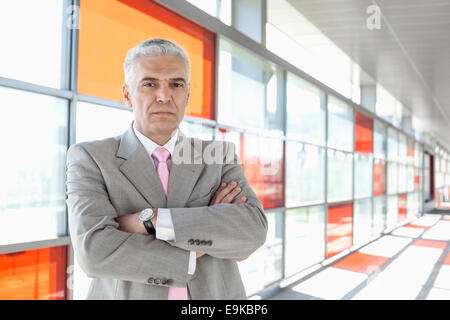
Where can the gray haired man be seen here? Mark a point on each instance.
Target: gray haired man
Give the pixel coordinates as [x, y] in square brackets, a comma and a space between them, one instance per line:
[146, 226]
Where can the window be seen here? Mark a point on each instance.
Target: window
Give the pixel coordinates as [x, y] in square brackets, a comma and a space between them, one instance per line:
[339, 228]
[305, 110]
[305, 174]
[402, 178]
[379, 177]
[305, 238]
[110, 28]
[363, 175]
[217, 8]
[392, 145]
[392, 178]
[196, 130]
[362, 224]
[96, 122]
[402, 148]
[379, 140]
[241, 72]
[32, 41]
[264, 265]
[392, 212]
[33, 275]
[340, 125]
[340, 175]
[401, 207]
[363, 133]
[33, 167]
[379, 214]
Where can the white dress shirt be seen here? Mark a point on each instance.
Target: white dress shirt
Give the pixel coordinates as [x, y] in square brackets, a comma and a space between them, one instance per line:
[164, 224]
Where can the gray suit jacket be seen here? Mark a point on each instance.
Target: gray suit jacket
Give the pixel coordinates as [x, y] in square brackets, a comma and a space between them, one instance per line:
[113, 177]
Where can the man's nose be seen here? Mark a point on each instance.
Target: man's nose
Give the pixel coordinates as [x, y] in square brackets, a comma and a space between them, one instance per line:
[163, 94]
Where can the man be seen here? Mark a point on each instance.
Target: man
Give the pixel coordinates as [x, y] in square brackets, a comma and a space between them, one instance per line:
[144, 223]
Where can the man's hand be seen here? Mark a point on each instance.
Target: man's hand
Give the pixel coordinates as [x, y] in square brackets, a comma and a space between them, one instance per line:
[226, 194]
[131, 223]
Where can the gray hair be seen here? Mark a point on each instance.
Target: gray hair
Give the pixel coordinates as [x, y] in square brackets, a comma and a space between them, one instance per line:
[150, 48]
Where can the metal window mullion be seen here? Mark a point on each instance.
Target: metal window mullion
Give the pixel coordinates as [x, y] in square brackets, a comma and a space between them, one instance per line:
[32, 245]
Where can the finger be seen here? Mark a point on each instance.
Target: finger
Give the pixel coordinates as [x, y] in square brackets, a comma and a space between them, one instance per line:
[225, 191]
[241, 200]
[229, 197]
[221, 187]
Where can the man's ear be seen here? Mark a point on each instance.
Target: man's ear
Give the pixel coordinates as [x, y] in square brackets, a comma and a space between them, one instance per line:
[126, 95]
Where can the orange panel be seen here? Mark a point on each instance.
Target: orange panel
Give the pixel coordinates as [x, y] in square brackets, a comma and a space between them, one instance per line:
[109, 28]
[410, 225]
[430, 243]
[447, 259]
[379, 180]
[416, 179]
[339, 228]
[410, 151]
[361, 262]
[33, 275]
[363, 133]
[401, 207]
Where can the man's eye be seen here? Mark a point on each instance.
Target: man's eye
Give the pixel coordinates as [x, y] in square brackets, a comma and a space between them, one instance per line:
[178, 85]
[149, 84]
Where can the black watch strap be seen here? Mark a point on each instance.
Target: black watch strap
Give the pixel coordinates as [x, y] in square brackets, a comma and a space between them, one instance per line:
[149, 227]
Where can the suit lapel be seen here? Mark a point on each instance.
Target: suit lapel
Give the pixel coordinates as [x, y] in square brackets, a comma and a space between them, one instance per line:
[139, 169]
[183, 174]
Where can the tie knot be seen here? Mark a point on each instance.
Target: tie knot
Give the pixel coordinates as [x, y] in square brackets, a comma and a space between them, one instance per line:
[161, 154]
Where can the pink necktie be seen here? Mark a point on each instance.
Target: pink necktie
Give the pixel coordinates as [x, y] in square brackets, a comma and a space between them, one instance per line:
[162, 155]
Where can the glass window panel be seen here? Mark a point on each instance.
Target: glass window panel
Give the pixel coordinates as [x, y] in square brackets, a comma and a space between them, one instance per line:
[401, 207]
[340, 125]
[362, 223]
[197, 130]
[305, 174]
[32, 176]
[392, 145]
[340, 175]
[110, 28]
[241, 72]
[379, 177]
[412, 205]
[411, 157]
[402, 178]
[392, 212]
[363, 175]
[232, 136]
[32, 33]
[33, 275]
[402, 148]
[217, 8]
[305, 238]
[363, 133]
[95, 122]
[392, 178]
[262, 160]
[379, 214]
[264, 266]
[305, 111]
[379, 140]
[410, 175]
[418, 155]
[339, 228]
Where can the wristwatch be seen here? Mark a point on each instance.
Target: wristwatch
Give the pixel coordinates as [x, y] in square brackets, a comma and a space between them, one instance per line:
[146, 217]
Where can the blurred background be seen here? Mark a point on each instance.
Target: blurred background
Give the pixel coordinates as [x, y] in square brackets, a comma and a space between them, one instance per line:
[339, 111]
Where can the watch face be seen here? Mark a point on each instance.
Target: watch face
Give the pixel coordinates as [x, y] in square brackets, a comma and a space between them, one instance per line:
[146, 215]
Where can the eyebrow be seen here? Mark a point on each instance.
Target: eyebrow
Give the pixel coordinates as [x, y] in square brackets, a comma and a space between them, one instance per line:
[155, 79]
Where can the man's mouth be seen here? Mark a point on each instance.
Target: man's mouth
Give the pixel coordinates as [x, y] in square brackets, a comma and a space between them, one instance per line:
[163, 113]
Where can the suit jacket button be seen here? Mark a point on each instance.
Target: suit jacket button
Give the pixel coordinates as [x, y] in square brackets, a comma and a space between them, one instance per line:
[197, 242]
[157, 281]
[203, 242]
[169, 281]
[163, 281]
[209, 242]
[191, 241]
[150, 280]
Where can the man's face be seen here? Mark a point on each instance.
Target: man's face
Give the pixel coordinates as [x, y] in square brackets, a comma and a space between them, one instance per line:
[158, 94]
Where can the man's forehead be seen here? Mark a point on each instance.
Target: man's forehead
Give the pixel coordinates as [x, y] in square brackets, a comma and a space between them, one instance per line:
[162, 65]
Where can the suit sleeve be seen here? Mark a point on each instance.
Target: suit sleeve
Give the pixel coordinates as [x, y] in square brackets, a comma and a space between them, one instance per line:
[102, 250]
[228, 231]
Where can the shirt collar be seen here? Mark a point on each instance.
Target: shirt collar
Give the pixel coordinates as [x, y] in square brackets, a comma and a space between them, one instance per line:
[150, 145]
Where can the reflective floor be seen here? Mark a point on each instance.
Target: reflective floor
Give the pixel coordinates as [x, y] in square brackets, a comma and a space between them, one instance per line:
[412, 262]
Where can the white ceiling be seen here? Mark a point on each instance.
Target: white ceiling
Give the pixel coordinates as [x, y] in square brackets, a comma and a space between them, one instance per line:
[409, 55]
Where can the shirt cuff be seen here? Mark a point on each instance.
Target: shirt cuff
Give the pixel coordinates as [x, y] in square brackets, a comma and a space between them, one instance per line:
[192, 262]
[164, 226]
